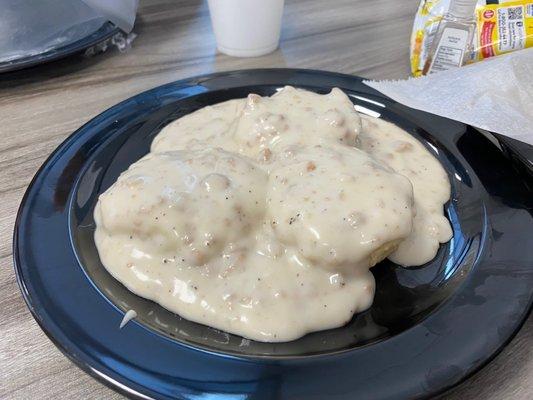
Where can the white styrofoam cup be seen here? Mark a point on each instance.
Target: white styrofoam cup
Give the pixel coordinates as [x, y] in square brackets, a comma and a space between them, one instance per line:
[246, 28]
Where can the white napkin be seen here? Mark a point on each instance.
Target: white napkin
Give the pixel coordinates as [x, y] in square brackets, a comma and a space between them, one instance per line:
[495, 94]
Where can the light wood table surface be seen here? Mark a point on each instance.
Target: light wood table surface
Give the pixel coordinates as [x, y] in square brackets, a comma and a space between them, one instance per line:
[39, 107]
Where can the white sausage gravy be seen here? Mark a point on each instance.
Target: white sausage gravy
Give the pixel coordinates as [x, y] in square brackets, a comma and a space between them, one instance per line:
[262, 216]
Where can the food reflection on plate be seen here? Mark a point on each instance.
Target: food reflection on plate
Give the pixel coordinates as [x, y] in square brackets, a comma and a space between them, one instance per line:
[262, 216]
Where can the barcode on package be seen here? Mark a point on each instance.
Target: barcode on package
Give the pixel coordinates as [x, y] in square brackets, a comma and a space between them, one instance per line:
[511, 29]
[514, 13]
[529, 10]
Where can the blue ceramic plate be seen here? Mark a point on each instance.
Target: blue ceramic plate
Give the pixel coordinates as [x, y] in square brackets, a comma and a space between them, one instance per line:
[428, 329]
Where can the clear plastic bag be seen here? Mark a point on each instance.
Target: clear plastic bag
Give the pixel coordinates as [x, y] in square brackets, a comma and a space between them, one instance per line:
[501, 26]
[30, 27]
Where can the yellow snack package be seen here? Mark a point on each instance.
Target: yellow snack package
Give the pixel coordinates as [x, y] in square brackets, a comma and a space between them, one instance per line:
[451, 33]
[504, 27]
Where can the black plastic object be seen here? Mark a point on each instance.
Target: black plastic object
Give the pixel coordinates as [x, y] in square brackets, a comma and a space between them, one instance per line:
[105, 32]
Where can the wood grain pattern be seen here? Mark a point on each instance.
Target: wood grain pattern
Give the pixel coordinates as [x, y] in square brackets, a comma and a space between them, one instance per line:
[39, 107]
